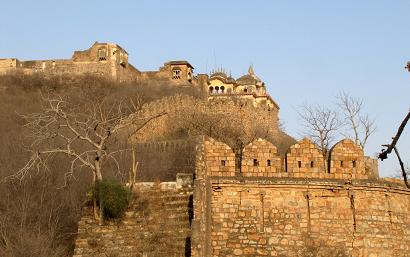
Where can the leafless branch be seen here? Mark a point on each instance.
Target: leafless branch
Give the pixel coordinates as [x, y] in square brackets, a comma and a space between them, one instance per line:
[385, 152]
[78, 130]
[360, 124]
[321, 125]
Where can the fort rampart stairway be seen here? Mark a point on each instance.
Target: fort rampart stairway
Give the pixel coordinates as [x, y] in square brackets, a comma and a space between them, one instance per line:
[157, 223]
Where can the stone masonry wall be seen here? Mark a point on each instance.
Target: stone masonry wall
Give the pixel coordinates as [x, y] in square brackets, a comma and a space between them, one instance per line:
[219, 158]
[347, 160]
[163, 159]
[305, 157]
[156, 224]
[293, 218]
[294, 214]
[303, 160]
[261, 159]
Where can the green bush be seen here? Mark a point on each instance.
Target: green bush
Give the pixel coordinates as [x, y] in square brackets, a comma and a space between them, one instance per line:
[114, 196]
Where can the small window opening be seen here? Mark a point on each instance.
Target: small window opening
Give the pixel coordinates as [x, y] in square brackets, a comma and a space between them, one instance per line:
[299, 164]
[255, 162]
[222, 89]
[354, 164]
[223, 162]
[211, 89]
[217, 89]
[312, 164]
[341, 164]
[176, 74]
[245, 90]
[102, 54]
[269, 163]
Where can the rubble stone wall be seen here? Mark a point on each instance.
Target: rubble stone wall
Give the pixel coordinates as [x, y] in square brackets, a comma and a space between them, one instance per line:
[305, 157]
[294, 214]
[267, 218]
[347, 160]
[156, 224]
[261, 159]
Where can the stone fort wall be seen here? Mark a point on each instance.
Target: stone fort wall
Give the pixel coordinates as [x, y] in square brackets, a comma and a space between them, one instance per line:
[295, 207]
[101, 59]
[276, 206]
[163, 160]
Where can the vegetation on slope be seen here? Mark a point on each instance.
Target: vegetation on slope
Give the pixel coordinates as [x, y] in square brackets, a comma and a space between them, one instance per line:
[39, 212]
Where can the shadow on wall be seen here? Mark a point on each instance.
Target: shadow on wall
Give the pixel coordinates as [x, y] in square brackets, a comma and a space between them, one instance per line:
[163, 160]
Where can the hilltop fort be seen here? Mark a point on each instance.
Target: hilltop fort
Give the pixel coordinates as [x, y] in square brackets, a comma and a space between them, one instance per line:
[111, 60]
[266, 201]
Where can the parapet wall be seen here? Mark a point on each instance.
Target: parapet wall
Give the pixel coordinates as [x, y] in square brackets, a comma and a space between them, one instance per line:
[303, 160]
[101, 59]
[294, 207]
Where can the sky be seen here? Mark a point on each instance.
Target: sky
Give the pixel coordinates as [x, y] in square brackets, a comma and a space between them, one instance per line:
[305, 51]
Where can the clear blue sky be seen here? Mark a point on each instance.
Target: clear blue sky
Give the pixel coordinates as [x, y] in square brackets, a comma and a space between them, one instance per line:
[305, 51]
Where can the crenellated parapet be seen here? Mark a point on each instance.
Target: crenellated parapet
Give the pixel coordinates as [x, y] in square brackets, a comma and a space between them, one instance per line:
[297, 203]
[219, 158]
[347, 160]
[261, 159]
[304, 159]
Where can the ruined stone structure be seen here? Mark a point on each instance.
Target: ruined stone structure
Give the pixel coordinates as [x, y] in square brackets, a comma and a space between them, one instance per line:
[111, 60]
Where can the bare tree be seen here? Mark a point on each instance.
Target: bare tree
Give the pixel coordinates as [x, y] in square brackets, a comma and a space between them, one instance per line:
[81, 130]
[322, 125]
[359, 123]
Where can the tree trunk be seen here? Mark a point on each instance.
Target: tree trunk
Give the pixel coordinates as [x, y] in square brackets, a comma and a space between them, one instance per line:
[97, 164]
[96, 216]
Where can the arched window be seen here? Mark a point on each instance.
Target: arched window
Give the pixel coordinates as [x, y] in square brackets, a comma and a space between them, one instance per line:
[217, 89]
[222, 89]
[245, 90]
[211, 89]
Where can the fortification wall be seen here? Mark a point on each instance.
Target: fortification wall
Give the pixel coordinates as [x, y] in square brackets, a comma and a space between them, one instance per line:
[299, 211]
[260, 158]
[100, 59]
[163, 160]
[292, 218]
[156, 224]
